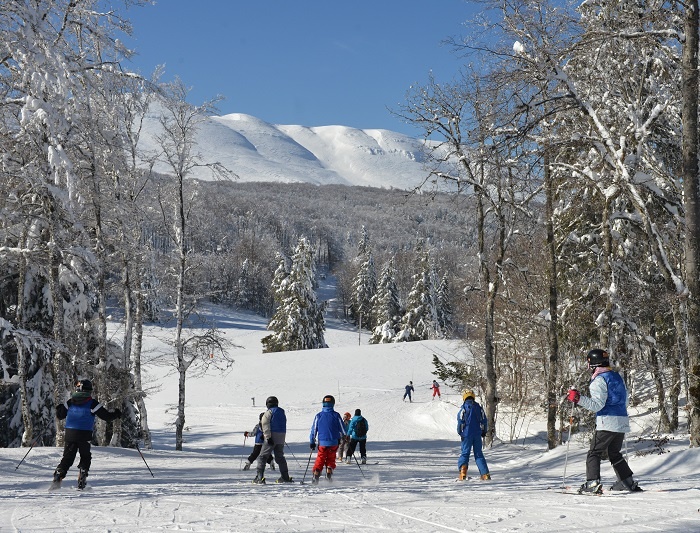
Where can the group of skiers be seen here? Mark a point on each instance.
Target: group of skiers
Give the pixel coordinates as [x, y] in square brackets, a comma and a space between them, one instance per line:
[332, 435]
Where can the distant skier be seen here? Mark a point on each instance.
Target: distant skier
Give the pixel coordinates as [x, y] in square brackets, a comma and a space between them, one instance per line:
[79, 413]
[259, 440]
[409, 390]
[357, 430]
[274, 428]
[345, 441]
[436, 389]
[471, 427]
[329, 428]
[609, 401]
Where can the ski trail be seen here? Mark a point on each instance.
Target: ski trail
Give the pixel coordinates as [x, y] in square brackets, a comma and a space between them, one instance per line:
[403, 515]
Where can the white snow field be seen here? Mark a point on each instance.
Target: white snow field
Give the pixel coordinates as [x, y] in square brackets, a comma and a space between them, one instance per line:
[409, 483]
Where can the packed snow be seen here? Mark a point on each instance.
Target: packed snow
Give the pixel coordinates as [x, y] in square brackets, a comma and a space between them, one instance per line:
[409, 483]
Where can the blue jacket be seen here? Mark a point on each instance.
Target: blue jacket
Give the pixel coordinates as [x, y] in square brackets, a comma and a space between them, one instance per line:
[79, 414]
[328, 426]
[471, 420]
[273, 421]
[608, 401]
[353, 424]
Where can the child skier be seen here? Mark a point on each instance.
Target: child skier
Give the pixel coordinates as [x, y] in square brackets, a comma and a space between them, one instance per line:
[471, 427]
[257, 434]
[345, 441]
[79, 412]
[358, 434]
[329, 428]
[436, 389]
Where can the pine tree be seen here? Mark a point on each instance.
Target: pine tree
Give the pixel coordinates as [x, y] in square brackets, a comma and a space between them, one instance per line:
[443, 305]
[386, 307]
[298, 322]
[420, 321]
[364, 288]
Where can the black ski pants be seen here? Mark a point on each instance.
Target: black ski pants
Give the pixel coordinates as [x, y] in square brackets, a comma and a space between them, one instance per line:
[256, 452]
[70, 449]
[353, 444]
[610, 442]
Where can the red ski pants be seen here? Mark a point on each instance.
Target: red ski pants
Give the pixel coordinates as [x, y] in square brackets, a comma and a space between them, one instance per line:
[325, 457]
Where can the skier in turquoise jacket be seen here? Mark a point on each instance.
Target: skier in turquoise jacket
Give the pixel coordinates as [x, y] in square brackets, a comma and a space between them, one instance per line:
[471, 427]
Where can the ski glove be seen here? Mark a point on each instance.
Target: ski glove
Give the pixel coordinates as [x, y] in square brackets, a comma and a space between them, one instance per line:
[270, 441]
[118, 413]
[312, 445]
[483, 434]
[573, 396]
[245, 433]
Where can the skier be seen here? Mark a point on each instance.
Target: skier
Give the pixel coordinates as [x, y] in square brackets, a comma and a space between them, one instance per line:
[345, 441]
[471, 427]
[79, 412]
[409, 390]
[328, 426]
[257, 434]
[357, 430]
[436, 389]
[274, 428]
[609, 401]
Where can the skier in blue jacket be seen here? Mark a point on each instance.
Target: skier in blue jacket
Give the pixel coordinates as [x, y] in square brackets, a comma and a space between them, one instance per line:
[357, 429]
[608, 401]
[471, 427]
[329, 429]
[79, 413]
[274, 428]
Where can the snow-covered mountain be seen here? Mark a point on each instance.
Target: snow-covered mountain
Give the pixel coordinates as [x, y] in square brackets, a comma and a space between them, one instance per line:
[255, 150]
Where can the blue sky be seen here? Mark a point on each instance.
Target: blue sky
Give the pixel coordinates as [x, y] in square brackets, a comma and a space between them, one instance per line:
[306, 62]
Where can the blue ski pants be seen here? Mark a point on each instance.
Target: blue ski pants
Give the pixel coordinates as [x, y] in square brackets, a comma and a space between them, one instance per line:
[469, 443]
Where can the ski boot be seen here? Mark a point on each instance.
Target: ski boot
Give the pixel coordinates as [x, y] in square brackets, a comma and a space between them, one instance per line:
[246, 466]
[592, 486]
[285, 480]
[347, 460]
[82, 478]
[259, 477]
[57, 478]
[627, 484]
[316, 477]
[486, 477]
[329, 474]
[463, 473]
[364, 460]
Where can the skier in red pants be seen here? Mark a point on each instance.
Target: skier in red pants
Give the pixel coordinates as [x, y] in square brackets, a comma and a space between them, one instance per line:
[436, 389]
[328, 426]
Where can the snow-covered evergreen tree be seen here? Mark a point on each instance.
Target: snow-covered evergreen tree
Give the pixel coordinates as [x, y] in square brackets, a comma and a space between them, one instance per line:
[420, 320]
[444, 306]
[386, 307]
[364, 288]
[298, 322]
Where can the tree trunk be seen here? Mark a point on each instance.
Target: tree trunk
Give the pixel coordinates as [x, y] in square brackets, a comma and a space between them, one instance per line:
[138, 383]
[691, 195]
[553, 324]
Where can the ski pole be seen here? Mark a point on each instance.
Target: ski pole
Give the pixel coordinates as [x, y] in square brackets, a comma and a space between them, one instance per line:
[307, 467]
[245, 437]
[566, 458]
[358, 466]
[30, 449]
[295, 457]
[144, 459]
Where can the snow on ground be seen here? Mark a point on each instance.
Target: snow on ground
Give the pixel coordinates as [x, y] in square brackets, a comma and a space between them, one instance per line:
[409, 483]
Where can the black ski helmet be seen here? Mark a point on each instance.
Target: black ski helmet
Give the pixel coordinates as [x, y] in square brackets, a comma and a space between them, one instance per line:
[272, 401]
[84, 385]
[328, 400]
[597, 357]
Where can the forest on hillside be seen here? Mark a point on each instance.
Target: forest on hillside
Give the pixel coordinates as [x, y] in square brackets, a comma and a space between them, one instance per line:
[570, 148]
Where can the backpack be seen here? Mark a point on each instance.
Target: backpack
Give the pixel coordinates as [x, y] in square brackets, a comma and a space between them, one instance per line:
[361, 427]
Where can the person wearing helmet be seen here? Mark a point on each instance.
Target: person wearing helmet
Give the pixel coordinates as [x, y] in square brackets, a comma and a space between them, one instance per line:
[357, 429]
[258, 442]
[274, 428]
[329, 429]
[435, 387]
[609, 401]
[471, 427]
[345, 441]
[79, 413]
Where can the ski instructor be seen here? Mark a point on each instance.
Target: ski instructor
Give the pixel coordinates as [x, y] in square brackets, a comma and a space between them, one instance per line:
[609, 402]
[274, 428]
